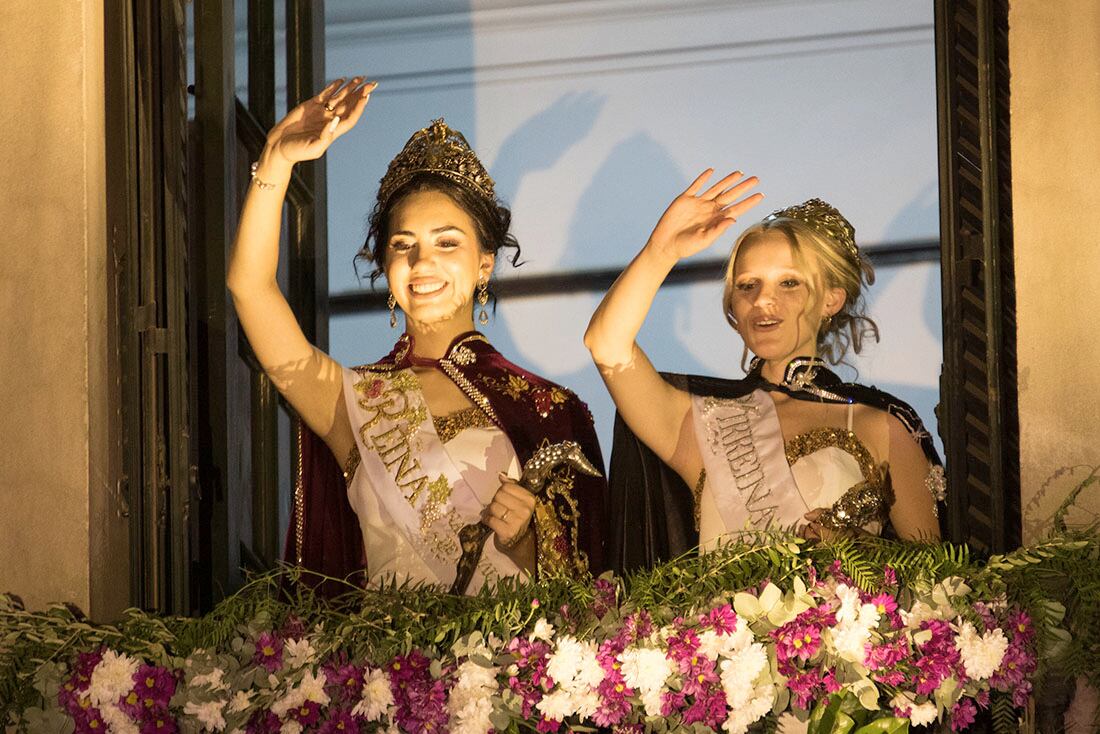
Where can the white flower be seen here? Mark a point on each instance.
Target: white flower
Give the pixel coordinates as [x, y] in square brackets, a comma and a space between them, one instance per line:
[290, 727]
[652, 702]
[117, 721]
[573, 664]
[713, 645]
[981, 653]
[310, 688]
[556, 706]
[920, 714]
[753, 710]
[212, 680]
[377, 697]
[240, 701]
[850, 640]
[918, 613]
[209, 714]
[741, 673]
[543, 630]
[470, 701]
[645, 669]
[313, 688]
[849, 603]
[112, 678]
[298, 653]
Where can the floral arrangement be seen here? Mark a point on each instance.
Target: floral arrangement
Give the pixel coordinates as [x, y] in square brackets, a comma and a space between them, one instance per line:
[856, 635]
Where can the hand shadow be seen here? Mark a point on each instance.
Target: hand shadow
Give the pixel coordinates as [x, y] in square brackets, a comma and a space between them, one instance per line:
[543, 139]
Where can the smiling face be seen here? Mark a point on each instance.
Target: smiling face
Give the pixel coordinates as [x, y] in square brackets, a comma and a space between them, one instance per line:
[772, 299]
[434, 261]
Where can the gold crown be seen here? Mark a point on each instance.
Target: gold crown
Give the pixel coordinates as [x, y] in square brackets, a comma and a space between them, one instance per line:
[824, 219]
[441, 150]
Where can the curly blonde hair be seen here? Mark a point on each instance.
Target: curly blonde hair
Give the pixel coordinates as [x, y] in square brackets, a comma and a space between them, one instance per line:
[829, 264]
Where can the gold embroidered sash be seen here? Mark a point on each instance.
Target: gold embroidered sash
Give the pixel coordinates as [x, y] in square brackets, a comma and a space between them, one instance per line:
[409, 472]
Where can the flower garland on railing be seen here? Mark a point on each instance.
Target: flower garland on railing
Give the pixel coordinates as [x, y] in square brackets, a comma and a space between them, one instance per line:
[857, 635]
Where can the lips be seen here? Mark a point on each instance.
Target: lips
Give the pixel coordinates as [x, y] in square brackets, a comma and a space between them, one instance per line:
[766, 324]
[426, 287]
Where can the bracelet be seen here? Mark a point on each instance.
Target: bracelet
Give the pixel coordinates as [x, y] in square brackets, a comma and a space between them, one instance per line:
[260, 183]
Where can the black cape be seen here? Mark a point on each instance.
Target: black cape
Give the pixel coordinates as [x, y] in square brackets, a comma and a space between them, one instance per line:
[653, 509]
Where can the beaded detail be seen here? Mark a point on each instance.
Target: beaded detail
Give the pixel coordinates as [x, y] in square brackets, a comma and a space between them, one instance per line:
[449, 426]
[351, 464]
[697, 495]
[865, 502]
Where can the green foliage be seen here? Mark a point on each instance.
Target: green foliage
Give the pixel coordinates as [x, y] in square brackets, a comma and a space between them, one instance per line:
[1057, 581]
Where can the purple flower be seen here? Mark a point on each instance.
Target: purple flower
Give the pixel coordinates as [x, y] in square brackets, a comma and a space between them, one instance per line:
[269, 651]
[341, 721]
[938, 659]
[606, 597]
[548, 726]
[264, 722]
[159, 722]
[532, 681]
[963, 714]
[89, 721]
[307, 714]
[805, 687]
[798, 639]
[887, 655]
[420, 702]
[345, 681]
[889, 576]
[154, 686]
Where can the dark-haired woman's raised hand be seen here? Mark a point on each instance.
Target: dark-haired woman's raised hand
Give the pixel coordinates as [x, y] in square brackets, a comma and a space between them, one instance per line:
[694, 220]
[310, 128]
[309, 379]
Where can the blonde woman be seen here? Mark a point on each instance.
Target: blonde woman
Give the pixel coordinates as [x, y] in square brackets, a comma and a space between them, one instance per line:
[789, 446]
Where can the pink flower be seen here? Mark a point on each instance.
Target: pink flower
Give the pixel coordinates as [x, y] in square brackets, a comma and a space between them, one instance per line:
[889, 576]
[269, 651]
[548, 726]
[938, 659]
[722, 620]
[420, 702]
[605, 597]
[886, 655]
[805, 687]
[963, 714]
[345, 682]
[797, 639]
[532, 682]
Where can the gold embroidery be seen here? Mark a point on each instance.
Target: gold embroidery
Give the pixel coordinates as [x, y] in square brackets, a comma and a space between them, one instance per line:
[867, 501]
[545, 399]
[697, 495]
[936, 484]
[468, 388]
[449, 426]
[556, 519]
[463, 355]
[351, 464]
[299, 501]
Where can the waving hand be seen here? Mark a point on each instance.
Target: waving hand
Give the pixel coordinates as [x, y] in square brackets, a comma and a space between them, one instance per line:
[694, 220]
[310, 128]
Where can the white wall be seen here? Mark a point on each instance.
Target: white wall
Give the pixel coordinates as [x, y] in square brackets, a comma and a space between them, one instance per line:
[592, 115]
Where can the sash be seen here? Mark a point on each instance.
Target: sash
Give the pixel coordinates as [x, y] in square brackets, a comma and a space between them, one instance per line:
[408, 470]
[741, 442]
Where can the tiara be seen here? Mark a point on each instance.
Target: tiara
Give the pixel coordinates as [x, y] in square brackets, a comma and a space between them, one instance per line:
[824, 219]
[441, 150]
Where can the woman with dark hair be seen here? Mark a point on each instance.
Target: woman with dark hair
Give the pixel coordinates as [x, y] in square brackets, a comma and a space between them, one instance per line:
[788, 446]
[433, 436]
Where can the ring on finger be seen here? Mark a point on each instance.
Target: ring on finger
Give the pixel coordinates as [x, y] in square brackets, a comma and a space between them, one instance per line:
[505, 515]
[330, 108]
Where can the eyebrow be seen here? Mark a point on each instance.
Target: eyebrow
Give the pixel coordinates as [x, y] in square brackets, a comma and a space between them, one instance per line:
[437, 230]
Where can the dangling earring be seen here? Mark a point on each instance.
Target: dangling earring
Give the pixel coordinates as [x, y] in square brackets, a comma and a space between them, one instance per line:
[744, 356]
[392, 303]
[483, 298]
[826, 321]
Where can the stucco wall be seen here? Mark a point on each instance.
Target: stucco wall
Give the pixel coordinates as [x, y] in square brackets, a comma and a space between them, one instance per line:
[1055, 89]
[53, 465]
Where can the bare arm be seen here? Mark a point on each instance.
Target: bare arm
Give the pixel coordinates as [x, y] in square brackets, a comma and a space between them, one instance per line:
[913, 514]
[658, 413]
[310, 380]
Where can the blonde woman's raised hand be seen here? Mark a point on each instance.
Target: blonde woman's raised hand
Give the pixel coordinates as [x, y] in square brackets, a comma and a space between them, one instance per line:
[310, 128]
[696, 218]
